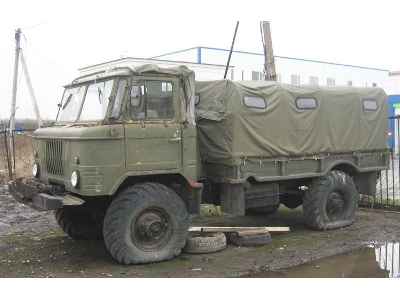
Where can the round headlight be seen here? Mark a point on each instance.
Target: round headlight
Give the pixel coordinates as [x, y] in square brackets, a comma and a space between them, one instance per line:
[75, 178]
[35, 170]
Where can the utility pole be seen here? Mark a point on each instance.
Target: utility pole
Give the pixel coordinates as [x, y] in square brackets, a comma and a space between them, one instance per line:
[19, 56]
[14, 91]
[269, 65]
[14, 97]
[28, 80]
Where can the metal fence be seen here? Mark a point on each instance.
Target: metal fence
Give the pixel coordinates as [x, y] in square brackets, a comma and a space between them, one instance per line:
[388, 183]
[21, 161]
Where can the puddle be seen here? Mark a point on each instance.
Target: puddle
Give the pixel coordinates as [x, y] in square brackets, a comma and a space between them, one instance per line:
[374, 261]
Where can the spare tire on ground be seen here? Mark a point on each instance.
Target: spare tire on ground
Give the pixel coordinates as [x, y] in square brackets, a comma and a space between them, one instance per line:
[201, 243]
[250, 240]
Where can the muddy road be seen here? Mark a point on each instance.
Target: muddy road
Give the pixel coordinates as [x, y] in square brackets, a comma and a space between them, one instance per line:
[32, 245]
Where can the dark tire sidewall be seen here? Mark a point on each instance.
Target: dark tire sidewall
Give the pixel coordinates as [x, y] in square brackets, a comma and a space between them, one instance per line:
[128, 206]
[263, 210]
[78, 223]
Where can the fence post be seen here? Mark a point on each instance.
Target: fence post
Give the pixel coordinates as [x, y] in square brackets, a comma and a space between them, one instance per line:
[8, 157]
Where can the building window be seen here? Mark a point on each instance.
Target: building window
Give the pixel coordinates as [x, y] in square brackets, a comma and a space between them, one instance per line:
[350, 83]
[255, 102]
[255, 75]
[295, 79]
[330, 81]
[166, 87]
[306, 103]
[313, 80]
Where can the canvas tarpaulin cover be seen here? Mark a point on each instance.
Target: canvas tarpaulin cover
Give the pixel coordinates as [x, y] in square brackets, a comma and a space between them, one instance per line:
[342, 121]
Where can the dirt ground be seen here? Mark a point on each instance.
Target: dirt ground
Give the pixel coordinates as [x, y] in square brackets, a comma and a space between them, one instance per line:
[32, 245]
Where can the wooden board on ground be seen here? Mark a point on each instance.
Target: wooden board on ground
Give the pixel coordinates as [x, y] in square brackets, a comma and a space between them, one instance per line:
[242, 231]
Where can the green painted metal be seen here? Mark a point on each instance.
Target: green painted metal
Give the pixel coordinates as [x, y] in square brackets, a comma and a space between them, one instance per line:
[229, 142]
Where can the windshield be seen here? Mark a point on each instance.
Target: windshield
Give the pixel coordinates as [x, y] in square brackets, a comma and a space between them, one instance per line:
[93, 99]
[71, 103]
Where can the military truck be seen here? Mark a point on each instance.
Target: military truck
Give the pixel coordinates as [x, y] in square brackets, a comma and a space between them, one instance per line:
[135, 150]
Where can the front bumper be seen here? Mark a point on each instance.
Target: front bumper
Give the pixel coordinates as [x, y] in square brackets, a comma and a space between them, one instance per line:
[39, 196]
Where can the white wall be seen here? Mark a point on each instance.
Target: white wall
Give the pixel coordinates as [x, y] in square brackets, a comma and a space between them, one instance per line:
[244, 63]
[391, 85]
[202, 71]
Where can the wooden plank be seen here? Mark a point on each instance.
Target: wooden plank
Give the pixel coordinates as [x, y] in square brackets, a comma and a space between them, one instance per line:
[278, 229]
[237, 229]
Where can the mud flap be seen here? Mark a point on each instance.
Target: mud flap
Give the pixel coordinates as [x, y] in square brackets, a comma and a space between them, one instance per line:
[192, 198]
[232, 199]
[366, 183]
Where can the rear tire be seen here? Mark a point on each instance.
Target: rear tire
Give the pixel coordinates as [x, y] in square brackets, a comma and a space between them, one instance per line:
[291, 201]
[263, 210]
[146, 223]
[330, 202]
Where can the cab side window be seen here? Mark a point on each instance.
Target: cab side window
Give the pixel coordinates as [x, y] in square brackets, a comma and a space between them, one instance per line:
[156, 102]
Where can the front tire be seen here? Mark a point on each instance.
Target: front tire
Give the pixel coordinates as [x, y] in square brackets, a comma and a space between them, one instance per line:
[330, 202]
[146, 223]
[81, 222]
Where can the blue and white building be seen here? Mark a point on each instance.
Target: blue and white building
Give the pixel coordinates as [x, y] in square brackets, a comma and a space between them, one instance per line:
[249, 66]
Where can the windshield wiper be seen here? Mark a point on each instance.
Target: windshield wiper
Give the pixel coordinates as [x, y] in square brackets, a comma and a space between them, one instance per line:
[100, 94]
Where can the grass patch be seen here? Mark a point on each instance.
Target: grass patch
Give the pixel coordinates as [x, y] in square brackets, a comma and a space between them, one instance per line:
[207, 210]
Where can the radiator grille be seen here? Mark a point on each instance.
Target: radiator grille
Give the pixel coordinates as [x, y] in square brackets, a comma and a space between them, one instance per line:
[53, 157]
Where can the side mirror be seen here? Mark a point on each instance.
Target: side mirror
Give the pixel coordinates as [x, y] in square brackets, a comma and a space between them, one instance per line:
[136, 96]
[196, 99]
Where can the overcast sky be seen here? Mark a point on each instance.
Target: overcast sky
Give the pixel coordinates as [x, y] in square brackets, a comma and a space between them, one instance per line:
[58, 37]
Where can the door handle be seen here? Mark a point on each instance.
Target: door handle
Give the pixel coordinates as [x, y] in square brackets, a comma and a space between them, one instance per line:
[175, 139]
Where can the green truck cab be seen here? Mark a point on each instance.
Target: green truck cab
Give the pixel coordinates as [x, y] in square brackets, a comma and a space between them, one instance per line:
[134, 151]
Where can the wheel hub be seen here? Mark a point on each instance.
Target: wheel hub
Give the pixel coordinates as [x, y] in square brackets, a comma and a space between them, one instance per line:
[150, 230]
[335, 206]
[154, 229]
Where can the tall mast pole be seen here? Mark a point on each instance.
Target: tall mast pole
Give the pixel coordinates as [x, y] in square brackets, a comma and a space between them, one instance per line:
[230, 52]
[268, 52]
[14, 97]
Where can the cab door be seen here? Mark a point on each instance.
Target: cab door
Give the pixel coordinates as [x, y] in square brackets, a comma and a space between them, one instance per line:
[153, 133]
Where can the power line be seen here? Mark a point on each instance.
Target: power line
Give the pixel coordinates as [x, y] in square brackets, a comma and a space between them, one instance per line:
[45, 58]
[35, 25]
